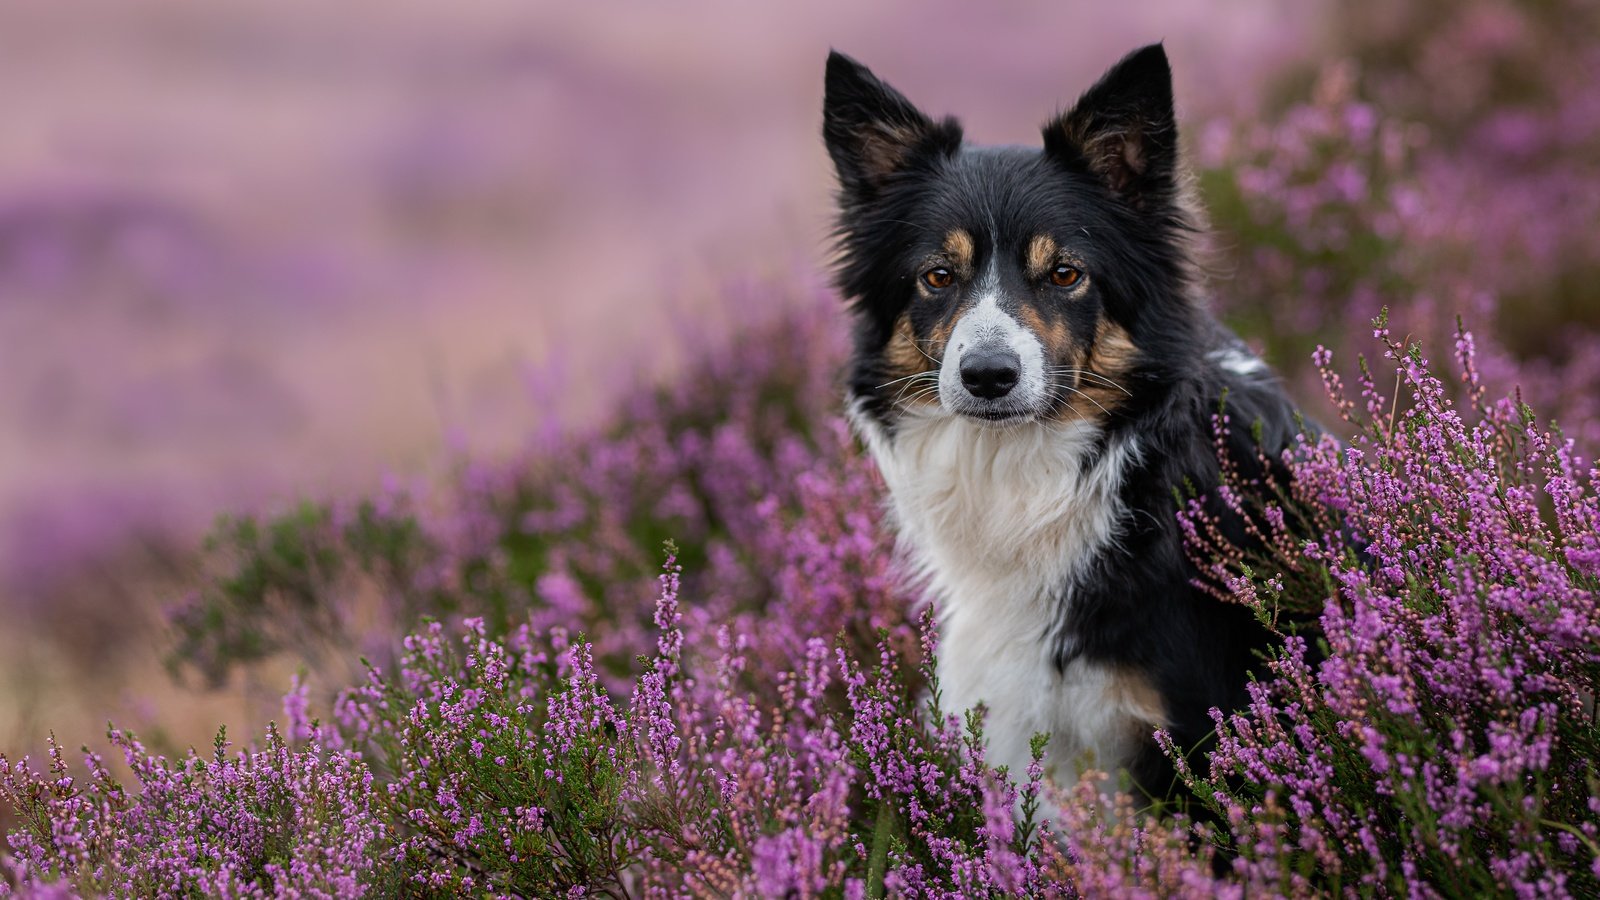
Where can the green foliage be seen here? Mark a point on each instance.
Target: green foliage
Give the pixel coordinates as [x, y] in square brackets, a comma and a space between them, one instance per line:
[277, 585]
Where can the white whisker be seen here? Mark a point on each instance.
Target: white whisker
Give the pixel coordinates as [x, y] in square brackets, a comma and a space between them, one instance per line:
[1079, 393]
[1086, 373]
[910, 377]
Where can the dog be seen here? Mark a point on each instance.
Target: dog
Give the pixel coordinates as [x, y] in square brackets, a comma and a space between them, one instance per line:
[1035, 372]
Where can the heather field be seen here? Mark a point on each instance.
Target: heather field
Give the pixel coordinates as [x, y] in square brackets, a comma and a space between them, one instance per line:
[447, 402]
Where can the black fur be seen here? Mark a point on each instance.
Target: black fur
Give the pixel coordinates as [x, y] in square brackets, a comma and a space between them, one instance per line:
[1107, 184]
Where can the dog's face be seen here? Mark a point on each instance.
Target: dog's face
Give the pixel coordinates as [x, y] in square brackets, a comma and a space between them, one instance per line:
[1006, 284]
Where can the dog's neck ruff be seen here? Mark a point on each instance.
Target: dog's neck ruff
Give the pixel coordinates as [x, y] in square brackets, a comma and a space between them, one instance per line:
[997, 523]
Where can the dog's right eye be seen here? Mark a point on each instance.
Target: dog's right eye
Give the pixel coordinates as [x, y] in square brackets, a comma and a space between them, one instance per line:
[938, 279]
[1065, 276]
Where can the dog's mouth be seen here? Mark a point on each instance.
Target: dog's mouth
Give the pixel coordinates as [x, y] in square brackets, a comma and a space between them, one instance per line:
[1008, 414]
[1016, 407]
[998, 416]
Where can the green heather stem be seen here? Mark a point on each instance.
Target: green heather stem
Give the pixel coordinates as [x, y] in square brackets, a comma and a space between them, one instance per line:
[879, 860]
[1594, 850]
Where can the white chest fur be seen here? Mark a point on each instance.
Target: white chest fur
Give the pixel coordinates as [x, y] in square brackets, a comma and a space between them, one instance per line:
[995, 522]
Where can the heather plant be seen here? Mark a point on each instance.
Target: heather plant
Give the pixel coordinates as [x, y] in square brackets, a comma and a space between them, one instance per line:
[1446, 744]
[945, 824]
[741, 461]
[273, 580]
[266, 822]
[1435, 171]
[506, 767]
[1443, 746]
[1318, 205]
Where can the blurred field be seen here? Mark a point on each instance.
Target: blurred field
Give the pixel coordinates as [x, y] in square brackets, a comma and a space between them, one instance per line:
[258, 251]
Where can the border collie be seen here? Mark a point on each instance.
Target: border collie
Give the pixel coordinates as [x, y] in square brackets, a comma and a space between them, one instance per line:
[1035, 372]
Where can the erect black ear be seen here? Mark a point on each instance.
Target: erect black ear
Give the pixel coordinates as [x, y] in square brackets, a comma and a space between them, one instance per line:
[1123, 130]
[872, 131]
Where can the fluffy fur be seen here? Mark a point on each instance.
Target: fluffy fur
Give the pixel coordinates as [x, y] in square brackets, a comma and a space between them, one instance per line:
[1034, 373]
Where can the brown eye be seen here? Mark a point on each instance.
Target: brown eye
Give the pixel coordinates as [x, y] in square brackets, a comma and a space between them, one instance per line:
[1065, 276]
[938, 279]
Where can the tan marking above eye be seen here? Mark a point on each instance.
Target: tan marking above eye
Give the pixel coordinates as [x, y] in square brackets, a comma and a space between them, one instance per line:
[960, 250]
[1041, 255]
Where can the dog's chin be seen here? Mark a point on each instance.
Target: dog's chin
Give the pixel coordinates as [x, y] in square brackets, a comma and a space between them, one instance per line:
[996, 415]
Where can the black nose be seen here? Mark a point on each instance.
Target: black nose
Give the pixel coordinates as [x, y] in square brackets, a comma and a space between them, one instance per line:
[990, 374]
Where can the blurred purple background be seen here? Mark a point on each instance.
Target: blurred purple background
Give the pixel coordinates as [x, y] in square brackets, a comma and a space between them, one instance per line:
[258, 251]
[258, 248]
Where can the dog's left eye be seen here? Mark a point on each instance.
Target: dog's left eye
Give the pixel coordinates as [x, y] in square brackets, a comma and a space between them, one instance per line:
[1065, 276]
[938, 279]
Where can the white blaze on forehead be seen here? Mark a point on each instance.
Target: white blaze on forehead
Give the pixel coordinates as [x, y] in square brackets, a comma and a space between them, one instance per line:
[987, 327]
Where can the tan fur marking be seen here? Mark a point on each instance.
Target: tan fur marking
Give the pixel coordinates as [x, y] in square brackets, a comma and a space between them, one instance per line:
[941, 332]
[962, 252]
[902, 353]
[1097, 396]
[1041, 255]
[1137, 696]
[1055, 336]
[1031, 318]
[1058, 340]
[905, 360]
[1111, 358]
[1114, 352]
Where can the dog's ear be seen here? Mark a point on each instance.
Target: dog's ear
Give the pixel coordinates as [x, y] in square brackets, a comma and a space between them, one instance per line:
[872, 131]
[1123, 131]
